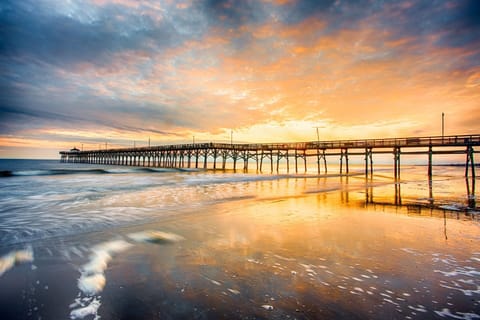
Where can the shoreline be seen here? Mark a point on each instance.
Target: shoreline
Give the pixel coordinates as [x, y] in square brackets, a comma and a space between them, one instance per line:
[257, 258]
[185, 246]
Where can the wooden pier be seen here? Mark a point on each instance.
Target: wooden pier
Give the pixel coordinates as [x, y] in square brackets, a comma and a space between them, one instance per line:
[216, 155]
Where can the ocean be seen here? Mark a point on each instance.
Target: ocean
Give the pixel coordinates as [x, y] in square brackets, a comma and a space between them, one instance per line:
[82, 241]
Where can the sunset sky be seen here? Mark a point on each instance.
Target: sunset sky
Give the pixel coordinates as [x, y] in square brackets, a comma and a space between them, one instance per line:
[88, 72]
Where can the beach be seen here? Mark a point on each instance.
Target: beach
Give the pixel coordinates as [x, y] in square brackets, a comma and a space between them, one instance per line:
[137, 243]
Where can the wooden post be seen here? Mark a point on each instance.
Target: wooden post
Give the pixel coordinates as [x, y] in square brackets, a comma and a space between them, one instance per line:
[288, 165]
[215, 159]
[430, 153]
[271, 160]
[344, 154]
[341, 161]
[318, 160]
[296, 161]
[396, 159]
[368, 162]
[245, 160]
[278, 159]
[398, 195]
[261, 161]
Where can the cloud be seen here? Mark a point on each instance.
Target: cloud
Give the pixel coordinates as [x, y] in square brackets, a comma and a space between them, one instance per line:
[172, 68]
[34, 31]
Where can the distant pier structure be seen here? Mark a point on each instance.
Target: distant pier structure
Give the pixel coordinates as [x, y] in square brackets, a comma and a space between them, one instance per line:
[269, 155]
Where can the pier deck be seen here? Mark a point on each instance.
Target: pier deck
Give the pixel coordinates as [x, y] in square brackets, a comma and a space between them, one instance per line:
[200, 155]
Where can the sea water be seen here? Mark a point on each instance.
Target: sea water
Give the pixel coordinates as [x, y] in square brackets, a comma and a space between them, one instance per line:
[90, 241]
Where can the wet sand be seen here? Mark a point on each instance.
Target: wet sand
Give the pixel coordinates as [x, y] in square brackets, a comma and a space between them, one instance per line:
[310, 256]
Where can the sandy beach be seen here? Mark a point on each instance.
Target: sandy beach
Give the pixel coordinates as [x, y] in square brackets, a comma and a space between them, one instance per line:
[313, 255]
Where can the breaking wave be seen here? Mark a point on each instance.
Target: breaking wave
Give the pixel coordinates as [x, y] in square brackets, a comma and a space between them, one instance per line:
[54, 172]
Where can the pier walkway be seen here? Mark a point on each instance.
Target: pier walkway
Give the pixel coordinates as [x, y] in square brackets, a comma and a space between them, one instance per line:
[216, 155]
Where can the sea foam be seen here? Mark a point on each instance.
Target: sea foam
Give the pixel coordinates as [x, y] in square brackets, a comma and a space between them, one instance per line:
[15, 257]
[154, 236]
[91, 309]
[92, 279]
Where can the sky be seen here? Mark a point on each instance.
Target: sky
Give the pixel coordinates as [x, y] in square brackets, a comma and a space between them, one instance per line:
[96, 73]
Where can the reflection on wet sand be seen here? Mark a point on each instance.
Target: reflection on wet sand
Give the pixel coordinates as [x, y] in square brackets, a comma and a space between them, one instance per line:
[310, 258]
[412, 202]
[336, 247]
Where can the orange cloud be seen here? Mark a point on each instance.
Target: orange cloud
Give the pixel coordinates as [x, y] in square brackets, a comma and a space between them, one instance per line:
[351, 78]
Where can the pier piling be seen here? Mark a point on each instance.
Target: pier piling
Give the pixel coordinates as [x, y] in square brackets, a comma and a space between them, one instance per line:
[190, 155]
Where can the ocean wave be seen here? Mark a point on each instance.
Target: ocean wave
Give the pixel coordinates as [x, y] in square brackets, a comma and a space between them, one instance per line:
[54, 172]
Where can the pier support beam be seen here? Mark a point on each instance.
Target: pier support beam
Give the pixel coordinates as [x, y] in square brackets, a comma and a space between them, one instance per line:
[398, 194]
[368, 163]
[321, 156]
[246, 156]
[470, 162]
[430, 154]
[224, 159]
[396, 162]
[344, 154]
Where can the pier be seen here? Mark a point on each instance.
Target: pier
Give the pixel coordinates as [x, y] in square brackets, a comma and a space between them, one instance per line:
[269, 155]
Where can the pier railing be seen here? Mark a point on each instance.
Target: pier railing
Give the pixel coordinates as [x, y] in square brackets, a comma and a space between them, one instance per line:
[193, 154]
[444, 141]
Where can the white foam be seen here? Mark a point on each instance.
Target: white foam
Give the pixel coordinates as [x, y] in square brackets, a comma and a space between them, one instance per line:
[267, 307]
[469, 281]
[308, 268]
[459, 271]
[410, 250]
[391, 301]
[92, 284]
[467, 292]
[92, 279]
[284, 258]
[91, 309]
[253, 261]
[234, 291]
[155, 236]
[15, 257]
[418, 308]
[215, 282]
[98, 262]
[445, 312]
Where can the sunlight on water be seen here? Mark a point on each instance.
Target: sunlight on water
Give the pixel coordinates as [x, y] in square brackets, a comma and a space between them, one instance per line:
[205, 244]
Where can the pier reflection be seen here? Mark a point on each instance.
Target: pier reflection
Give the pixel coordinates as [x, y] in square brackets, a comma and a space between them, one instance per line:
[414, 204]
[415, 196]
[470, 192]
